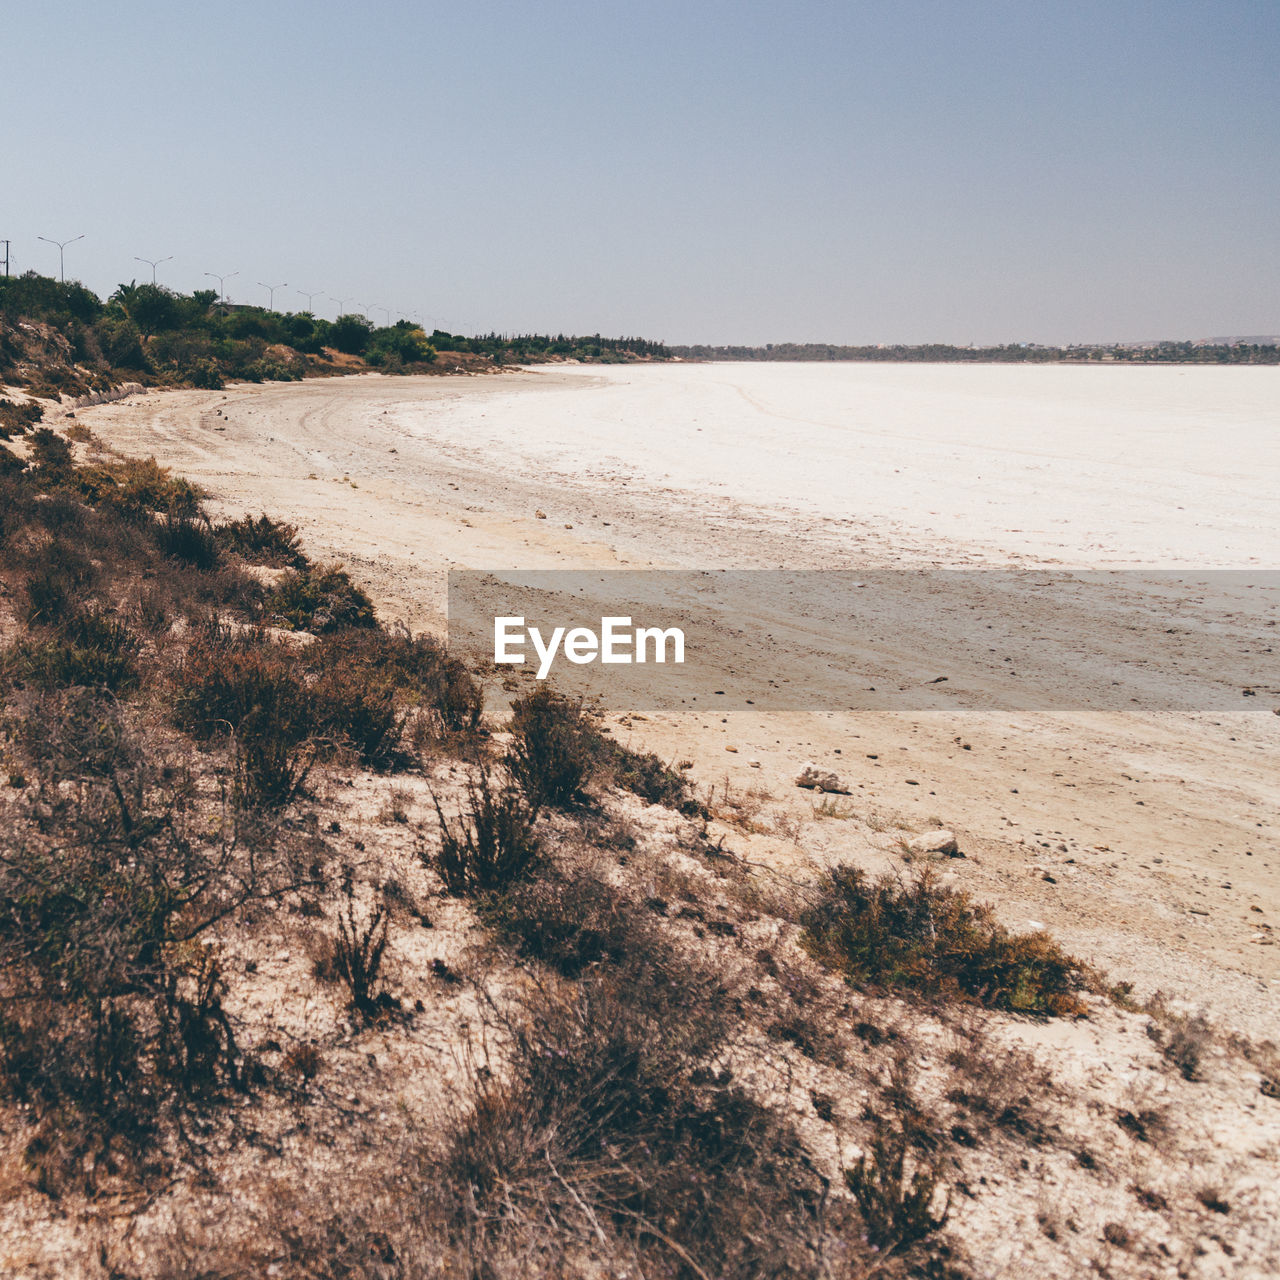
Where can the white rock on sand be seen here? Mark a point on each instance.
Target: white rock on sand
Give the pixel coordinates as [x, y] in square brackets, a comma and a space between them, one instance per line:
[940, 841]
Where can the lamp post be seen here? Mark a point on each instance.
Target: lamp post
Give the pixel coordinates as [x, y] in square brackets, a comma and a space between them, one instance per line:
[342, 302]
[222, 293]
[271, 293]
[62, 247]
[386, 313]
[302, 293]
[153, 264]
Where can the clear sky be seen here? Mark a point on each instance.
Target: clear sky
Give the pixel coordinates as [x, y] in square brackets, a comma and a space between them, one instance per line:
[905, 170]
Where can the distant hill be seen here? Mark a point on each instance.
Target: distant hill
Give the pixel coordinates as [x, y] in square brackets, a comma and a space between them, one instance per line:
[1213, 351]
[1269, 340]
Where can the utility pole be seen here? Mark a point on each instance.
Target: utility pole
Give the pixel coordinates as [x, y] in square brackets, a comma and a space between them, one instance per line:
[6, 259]
[271, 293]
[153, 264]
[62, 248]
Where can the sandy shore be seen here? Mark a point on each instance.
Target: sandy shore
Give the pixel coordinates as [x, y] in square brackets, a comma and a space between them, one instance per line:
[1146, 842]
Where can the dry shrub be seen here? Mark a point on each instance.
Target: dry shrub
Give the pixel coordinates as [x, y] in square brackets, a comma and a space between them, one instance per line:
[418, 672]
[649, 777]
[18, 418]
[358, 950]
[356, 705]
[571, 919]
[557, 749]
[59, 579]
[1145, 1124]
[303, 1060]
[996, 1084]
[1183, 1038]
[739, 807]
[10, 464]
[87, 648]
[250, 691]
[491, 844]
[188, 540]
[922, 937]
[617, 1140]
[554, 747]
[111, 1018]
[51, 463]
[898, 1211]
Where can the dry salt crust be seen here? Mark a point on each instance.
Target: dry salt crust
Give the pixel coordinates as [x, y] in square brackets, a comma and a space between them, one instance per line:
[1144, 842]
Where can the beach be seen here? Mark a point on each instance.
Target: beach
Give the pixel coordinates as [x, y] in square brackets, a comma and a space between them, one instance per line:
[1145, 842]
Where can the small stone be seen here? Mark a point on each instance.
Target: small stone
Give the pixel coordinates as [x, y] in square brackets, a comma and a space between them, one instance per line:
[540, 514]
[753, 764]
[733, 749]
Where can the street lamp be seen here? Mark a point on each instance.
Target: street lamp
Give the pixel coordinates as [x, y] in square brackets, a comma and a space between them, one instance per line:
[222, 293]
[271, 293]
[62, 245]
[302, 293]
[386, 313]
[153, 264]
[342, 302]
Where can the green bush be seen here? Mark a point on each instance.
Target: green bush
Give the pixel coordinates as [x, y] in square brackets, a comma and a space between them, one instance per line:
[937, 941]
[350, 334]
[189, 541]
[87, 649]
[138, 488]
[262, 541]
[319, 600]
[206, 376]
[121, 343]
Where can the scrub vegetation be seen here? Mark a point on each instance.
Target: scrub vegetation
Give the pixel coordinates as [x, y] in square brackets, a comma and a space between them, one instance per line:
[314, 962]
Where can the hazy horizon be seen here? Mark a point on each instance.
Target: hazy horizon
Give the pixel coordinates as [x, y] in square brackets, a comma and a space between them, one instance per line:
[728, 175]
